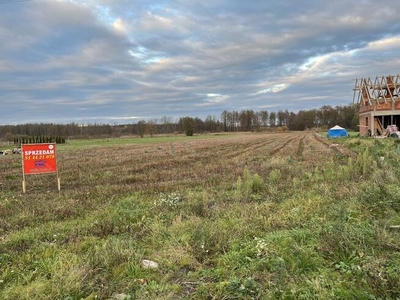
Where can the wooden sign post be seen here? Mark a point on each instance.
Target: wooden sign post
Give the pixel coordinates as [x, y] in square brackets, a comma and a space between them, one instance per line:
[39, 159]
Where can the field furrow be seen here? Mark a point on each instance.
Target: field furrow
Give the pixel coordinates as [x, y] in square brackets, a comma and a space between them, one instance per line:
[138, 167]
[229, 216]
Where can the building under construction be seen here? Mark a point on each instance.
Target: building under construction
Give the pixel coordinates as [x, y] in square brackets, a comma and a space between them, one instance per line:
[379, 104]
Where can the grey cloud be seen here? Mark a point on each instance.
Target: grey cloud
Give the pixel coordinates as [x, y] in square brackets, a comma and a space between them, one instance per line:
[103, 59]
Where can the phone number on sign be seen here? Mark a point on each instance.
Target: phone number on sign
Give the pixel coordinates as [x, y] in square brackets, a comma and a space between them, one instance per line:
[34, 157]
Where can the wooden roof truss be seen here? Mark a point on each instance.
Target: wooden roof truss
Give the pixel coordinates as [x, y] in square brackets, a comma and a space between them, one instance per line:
[383, 89]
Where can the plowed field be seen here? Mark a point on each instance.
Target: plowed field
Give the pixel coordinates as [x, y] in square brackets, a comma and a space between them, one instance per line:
[169, 165]
[230, 216]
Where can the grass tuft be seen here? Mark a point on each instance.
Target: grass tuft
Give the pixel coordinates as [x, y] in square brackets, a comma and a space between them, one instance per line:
[244, 216]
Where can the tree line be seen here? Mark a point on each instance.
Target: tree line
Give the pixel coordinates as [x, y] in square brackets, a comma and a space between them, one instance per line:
[228, 121]
[39, 140]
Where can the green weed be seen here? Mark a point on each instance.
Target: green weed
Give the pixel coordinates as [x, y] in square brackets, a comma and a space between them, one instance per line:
[242, 217]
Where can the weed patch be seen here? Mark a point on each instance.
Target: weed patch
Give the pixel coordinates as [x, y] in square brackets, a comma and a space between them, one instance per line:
[252, 216]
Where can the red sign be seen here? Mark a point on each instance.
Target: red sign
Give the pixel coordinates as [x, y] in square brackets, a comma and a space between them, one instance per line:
[39, 158]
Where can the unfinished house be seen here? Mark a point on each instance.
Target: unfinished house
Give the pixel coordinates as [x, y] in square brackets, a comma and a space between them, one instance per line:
[379, 104]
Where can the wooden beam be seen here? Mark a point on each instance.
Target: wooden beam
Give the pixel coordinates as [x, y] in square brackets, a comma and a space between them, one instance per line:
[355, 88]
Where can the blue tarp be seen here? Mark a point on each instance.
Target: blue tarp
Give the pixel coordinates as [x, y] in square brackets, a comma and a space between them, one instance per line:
[337, 131]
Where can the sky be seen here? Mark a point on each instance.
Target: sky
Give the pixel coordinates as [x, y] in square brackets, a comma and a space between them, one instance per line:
[121, 61]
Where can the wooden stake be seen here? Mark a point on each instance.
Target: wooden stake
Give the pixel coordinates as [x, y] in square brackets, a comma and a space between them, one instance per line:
[23, 174]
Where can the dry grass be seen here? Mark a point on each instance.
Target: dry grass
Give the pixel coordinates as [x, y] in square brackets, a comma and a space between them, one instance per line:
[240, 216]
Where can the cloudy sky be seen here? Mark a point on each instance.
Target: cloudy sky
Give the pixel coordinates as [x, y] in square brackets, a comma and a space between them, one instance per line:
[120, 61]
